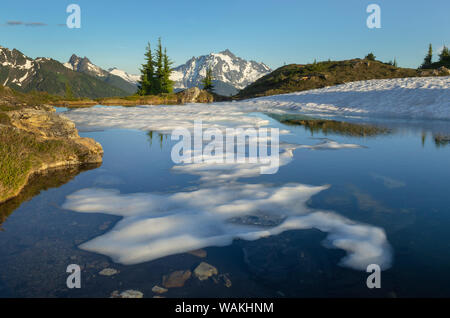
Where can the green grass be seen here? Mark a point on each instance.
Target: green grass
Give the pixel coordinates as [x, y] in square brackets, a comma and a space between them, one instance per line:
[22, 152]
[11, 99]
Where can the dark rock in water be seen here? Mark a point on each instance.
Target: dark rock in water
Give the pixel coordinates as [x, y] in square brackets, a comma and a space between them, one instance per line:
[176, 279]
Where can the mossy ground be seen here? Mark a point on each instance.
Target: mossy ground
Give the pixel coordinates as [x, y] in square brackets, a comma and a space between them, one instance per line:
[22, 152]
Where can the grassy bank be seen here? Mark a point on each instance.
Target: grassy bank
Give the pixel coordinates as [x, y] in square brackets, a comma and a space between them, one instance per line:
[192, 95]
[33, 139]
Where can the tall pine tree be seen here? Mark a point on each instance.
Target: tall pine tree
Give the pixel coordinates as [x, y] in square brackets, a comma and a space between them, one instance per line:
[159, 72]
[207, 80]
[444, 55]
[167, 83]
[428, 58]
[155, 73]
[147, 85]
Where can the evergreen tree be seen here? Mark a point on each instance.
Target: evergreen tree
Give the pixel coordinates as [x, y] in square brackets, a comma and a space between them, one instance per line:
[207, 80]
[155, 73]
[445, 54]
[146, 85]
[370, 57]
[395, 62]
[167, 83]
[428, 59]
[159, 72]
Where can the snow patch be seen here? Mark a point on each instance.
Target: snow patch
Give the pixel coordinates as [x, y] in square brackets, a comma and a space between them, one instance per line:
[124, 75]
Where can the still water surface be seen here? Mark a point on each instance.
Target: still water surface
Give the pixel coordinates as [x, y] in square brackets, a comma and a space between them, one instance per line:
[399, 181]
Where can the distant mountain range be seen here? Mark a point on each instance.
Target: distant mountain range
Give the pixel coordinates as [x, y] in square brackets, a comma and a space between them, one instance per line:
[230, 73]
[25, 74]
[113, 77]
[18, 71]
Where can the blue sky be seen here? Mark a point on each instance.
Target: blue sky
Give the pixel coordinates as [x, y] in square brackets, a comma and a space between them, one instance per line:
[114, 33]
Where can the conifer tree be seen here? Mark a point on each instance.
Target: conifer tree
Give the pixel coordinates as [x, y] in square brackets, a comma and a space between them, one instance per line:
[207, 80]
[155, 73]
[146, 85]
[370, 57]
[159, 72]
[445, 54]
[428, 59]
[167, 84]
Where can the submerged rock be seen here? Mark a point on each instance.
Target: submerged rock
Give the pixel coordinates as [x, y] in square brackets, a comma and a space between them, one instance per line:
[159, 290]
[226, 280]
[108, 272]
[199, 253]
[176, 279]
[130, 293]
[205, 271]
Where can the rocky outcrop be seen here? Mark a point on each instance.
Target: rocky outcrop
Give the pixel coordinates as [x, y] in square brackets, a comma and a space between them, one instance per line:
[37, 139]
[194, 95]
[441, 71]
[47, 125]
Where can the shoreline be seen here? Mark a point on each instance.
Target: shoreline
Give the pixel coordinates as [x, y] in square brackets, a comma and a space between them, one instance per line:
[37, 140]
[58, 166]
[191, 95]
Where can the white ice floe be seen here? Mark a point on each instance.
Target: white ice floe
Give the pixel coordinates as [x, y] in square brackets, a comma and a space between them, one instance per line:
[158, 225]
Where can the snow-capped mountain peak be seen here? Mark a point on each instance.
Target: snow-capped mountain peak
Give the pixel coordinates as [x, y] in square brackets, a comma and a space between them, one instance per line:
[126, 76]
[16, 67]
[230, 73]
[84, 65]
[112, 76]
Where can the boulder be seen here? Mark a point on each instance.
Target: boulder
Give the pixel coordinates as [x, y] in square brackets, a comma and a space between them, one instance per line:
[194, 95]
[159, 290]
[176, 279]
[130, 293]
[205, 271]
[108, 272]
[201, 253]
[443, 70]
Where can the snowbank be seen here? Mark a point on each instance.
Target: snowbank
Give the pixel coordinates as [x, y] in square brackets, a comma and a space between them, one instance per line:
[417, 97]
